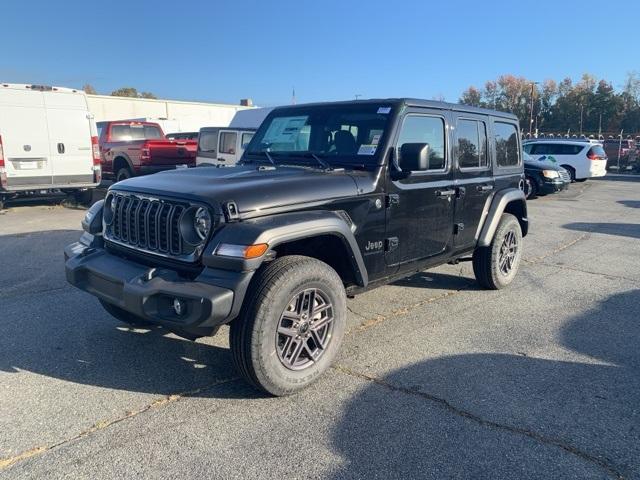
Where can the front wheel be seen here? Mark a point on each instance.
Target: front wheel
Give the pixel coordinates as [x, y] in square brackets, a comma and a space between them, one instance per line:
[291, 325]
[496, 265]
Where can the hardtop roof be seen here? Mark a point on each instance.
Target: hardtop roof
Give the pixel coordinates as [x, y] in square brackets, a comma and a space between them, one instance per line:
[412, 102]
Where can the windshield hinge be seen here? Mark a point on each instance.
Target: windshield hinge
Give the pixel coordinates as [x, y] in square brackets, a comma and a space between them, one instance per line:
[231, 211]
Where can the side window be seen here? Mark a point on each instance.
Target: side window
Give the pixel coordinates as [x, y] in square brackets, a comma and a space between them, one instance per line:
[246, 138]
[506, 138]
[472, 144]
[421, 129]
[228, 142]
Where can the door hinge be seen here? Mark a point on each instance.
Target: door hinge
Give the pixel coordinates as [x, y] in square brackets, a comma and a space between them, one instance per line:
[393, 199]
[457, 228]
[390, 244]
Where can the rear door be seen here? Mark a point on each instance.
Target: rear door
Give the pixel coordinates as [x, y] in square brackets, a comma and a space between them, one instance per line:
[228, 146]
[473, 178]
[25, 138]
[70, 132]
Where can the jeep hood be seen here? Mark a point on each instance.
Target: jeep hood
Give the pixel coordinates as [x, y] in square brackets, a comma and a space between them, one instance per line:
[252, 187]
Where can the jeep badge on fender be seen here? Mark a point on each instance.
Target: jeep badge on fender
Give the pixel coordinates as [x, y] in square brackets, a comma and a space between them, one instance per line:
[398, 177]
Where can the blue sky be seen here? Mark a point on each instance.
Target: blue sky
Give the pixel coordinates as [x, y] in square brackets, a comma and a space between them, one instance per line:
[327, 49]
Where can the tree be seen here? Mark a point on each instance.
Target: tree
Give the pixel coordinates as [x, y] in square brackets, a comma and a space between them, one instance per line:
[471, 96]
[566, 106]
[132, 93]
[125, 92]
[89, 89]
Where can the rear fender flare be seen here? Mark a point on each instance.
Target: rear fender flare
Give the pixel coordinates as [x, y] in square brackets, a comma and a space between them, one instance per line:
[499, 205]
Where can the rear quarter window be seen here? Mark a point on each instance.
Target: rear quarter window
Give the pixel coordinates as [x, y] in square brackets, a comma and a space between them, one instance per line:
[506, 144]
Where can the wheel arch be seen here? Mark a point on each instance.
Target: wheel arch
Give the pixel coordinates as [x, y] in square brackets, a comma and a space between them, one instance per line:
[506, 201]
[121, 161]
[324, 235]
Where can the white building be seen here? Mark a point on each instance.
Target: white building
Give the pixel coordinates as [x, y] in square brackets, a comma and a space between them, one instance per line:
[186, 116]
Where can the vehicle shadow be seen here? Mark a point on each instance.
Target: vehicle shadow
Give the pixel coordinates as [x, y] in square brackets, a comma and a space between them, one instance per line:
[53, 329]
[631, 230]
[630, 203]
[436, 280]
[507, 416]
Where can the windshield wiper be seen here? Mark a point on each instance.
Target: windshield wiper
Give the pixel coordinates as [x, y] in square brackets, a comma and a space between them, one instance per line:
[265, 153]
[323, 163]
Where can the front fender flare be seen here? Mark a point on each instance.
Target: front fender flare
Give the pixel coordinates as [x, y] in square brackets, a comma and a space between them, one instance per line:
[277, 229]
[497, 208]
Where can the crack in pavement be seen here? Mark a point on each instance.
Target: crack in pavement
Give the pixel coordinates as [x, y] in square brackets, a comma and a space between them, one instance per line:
[538, 437]
[160, 402]
[598, 274]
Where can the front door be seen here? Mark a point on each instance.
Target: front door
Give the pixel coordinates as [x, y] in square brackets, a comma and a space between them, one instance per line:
[473, 179]
[420, 206]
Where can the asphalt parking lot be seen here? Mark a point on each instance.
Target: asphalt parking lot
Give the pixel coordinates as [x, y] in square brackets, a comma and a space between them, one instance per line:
[437, 379]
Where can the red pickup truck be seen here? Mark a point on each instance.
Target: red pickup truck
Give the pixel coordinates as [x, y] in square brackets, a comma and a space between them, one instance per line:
[129, 148]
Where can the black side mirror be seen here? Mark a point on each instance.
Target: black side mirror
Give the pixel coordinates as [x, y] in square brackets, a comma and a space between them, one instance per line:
[414, 157]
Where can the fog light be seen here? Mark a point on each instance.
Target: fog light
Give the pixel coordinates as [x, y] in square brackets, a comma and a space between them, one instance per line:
[178, 306]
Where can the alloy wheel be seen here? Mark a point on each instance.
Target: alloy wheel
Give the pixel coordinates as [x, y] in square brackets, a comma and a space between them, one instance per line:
[508, 252]
[305, 329]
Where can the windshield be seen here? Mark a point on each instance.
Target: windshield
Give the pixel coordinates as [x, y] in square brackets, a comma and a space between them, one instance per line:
[339, 134]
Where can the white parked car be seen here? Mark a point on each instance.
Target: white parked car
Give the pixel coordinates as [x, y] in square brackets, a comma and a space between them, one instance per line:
[48, 141]
[581, 158]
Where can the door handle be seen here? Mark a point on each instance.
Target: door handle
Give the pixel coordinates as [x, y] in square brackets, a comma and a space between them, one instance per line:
[485, 188]
[445, 193]
[61, 148]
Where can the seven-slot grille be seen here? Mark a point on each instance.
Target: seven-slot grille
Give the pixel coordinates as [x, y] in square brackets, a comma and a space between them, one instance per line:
[151, 225]
[564, 175]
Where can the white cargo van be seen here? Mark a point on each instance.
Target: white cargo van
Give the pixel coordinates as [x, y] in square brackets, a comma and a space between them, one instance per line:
[48, 141]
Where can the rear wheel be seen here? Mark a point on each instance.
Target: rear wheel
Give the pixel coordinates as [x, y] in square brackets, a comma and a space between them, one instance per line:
[123, 174]
[291, 325]
[496, 266]
[124, 316]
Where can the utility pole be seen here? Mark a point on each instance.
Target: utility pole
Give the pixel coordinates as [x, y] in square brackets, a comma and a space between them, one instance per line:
[357, 95]
[600, 127]
[533, 84]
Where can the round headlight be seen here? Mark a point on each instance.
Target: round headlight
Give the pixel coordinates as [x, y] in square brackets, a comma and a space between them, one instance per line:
[109, 209]
[202, 222]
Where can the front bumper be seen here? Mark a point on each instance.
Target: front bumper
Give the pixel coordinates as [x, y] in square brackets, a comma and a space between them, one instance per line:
[211, 299]
[551, 186]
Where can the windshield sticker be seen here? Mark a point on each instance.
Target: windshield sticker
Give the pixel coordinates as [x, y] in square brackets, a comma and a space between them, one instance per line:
[284, 129]
[384, 110]
[367, 149]
[375, 140]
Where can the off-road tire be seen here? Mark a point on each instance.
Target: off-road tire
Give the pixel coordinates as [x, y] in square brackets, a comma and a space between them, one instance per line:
[123, 174]
[253, 335]
[124, 316]
[486, 260]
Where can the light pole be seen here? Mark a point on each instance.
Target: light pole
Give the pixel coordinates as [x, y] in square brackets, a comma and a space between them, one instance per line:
[533, 84]
[581, 112]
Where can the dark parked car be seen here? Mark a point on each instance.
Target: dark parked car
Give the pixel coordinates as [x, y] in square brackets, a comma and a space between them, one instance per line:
[328, 200]
[543, 178]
